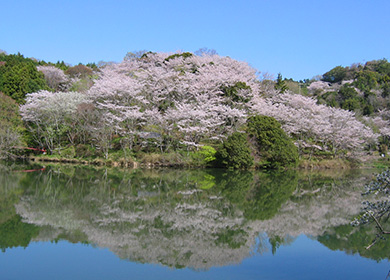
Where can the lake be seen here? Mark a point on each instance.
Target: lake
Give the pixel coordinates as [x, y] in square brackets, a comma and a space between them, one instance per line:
[83, 222]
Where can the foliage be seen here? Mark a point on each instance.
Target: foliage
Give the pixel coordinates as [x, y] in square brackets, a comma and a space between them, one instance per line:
[234, 238]
[15, 233]
[355, 240]
[235, 152]
[274, 147]
[364, 89]
[349, 98]
[366, 80]
[162, 103]
[335, 75]
[9, 112]
[68, 152]
[11, 126]
[377, 209]
[280, 84]
[80, 71]
[258, 194]
[176, 55]
[19, 76]
[233, 91]
[59, 64]
[204, 156]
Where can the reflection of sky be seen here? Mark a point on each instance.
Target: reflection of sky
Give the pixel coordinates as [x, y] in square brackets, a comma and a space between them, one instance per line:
[303, 259]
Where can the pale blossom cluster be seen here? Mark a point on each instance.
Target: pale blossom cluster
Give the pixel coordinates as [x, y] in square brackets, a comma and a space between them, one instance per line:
[52, 115]
[178, 95]
[308, 121]
[55, 77]
[381, 123]
[319, 86]
[190, 99]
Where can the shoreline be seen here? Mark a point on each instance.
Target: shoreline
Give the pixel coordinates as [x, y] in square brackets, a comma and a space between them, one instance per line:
[368, 161]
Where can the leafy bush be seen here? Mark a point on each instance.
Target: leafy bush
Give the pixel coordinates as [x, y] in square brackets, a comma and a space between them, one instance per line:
[68, 152]
[235, 152]
[85, 151]
[176, 55]
[204, 156]
[274, 147]
[335, 75]
[234, 91]
[11, 126]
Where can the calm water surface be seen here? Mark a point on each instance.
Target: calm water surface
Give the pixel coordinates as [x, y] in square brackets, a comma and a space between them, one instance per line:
[73, 222]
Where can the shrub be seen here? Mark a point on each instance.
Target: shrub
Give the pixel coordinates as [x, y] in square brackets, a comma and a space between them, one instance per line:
[152, 158]
[235, 152]
[204, 156]
[176, 55]
[273, 146]
[85, 151]
[68, 152]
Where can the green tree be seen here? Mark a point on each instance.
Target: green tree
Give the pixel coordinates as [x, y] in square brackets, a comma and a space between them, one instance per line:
[273, 147]
[281, 84]
[381, 66]
[349, 98]
[235, 152]
[19, 76]
[366, 80]
[11, 126]
[335, 75]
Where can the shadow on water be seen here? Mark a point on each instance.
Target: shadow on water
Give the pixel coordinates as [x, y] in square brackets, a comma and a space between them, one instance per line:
[213, 217]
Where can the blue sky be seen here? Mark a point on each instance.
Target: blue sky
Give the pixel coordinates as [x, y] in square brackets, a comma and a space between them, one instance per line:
[298, 38]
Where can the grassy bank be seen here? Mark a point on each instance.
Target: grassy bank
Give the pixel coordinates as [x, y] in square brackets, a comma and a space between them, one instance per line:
[188, 160]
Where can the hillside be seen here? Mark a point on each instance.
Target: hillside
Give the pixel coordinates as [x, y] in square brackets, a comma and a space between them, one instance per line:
[183, 108]
[364, 89]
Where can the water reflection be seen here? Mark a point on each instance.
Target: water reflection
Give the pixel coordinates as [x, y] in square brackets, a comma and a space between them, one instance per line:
[193, 218]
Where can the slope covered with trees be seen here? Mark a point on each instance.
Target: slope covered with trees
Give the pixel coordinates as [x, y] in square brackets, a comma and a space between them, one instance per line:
[364, 89]
[183, 105]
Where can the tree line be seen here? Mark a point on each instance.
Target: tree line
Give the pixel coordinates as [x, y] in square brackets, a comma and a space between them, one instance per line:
[182, 107]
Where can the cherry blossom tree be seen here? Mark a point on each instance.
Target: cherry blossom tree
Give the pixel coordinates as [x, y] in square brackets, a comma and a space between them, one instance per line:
[51, 115]
[326, 127]
[193, 98]
[184, 99]
[54, 77]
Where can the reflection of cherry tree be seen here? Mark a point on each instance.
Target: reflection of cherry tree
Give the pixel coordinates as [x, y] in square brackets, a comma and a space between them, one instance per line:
[168, 216]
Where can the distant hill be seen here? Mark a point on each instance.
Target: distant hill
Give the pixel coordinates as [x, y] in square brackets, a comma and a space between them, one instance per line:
[364, 89]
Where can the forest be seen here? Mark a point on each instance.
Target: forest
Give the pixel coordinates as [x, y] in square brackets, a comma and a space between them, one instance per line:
[191, 109]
